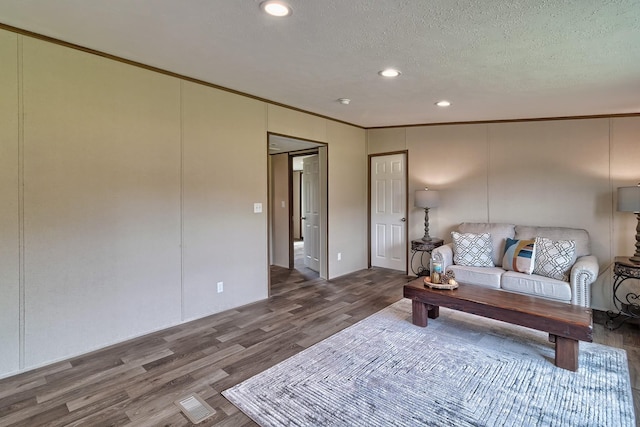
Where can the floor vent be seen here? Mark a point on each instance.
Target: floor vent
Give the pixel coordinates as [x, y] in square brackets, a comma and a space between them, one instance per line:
[195, 408]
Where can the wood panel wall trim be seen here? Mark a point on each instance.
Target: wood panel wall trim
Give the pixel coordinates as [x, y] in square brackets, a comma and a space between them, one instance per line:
[533, 119]
[21, 227]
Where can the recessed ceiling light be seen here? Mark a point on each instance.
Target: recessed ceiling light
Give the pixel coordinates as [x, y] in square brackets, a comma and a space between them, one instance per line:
[344, 101]
[389, 72]
[443, 103]
[276, 8]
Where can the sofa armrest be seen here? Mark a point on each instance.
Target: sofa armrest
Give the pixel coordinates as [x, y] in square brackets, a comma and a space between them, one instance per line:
[444, 254]
[583, 273]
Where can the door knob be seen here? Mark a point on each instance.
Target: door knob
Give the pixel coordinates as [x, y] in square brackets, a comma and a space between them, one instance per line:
[304, 217]
[403, 219]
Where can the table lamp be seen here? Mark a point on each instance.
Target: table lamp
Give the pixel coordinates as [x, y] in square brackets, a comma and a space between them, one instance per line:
[629, 201]
[426, 199]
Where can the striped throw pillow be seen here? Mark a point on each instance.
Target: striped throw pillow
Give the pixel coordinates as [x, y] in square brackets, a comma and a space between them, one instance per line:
[519, 255]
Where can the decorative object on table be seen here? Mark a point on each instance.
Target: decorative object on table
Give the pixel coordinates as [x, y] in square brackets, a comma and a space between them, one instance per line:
[393, 373]
[450, 285]
[426, 199]
[447, 281]
[448, 277]
[629, 201]
[436, 271]
[424, 248]
[628, 306]
[444, 277]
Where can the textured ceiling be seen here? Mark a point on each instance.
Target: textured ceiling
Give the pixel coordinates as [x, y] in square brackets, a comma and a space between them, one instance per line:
[282, 144]
[493, 59]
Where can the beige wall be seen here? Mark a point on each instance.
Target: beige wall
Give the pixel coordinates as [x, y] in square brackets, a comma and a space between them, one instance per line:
[294, 123]
[386, 140]
[101, 201]
[9, 209]
[280, 214]
[560, 173]
[347, 194]
[224, 173]
[138, 199]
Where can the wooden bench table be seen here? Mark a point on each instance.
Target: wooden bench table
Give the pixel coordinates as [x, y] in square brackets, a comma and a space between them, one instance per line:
[566, 324]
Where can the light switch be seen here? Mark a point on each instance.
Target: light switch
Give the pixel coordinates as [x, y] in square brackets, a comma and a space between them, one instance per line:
[284, 205]
[257, 208]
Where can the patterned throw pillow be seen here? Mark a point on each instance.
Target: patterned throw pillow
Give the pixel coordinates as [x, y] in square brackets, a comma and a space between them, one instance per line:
[473, 250]
[554, 258]
[519, 255]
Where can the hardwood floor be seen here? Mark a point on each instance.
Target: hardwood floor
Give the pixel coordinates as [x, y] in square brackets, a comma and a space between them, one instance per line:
[135, 383]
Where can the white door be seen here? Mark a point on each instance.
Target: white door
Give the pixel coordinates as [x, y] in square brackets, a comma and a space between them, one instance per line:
[311, 211]
[389, 212]
[296, 204]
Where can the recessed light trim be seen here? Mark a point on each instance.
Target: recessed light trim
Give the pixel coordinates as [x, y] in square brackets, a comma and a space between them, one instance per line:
[443, 103]
[344, 101]
[276, 8]
[389, 72]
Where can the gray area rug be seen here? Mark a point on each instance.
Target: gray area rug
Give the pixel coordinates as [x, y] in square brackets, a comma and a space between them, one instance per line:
[462, 370]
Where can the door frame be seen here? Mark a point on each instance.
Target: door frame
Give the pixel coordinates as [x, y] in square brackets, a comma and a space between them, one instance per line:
[369, 188]
[322, 149]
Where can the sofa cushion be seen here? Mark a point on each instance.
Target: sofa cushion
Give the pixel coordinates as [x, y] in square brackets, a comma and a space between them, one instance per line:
[519, 255]
[488, 277]
[471, 249]
[578, 235]
[554, 258]
[498, 231]
[536, 285]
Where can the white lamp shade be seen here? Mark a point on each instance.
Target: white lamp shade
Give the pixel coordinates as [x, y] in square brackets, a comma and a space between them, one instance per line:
[426, 199]
[629, 199]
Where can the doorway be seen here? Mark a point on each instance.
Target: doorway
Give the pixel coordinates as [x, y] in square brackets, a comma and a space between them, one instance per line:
[388, 211]
[298, 205]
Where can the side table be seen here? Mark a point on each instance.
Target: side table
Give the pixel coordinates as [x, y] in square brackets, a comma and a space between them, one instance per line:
[423, 247]
[629, 304]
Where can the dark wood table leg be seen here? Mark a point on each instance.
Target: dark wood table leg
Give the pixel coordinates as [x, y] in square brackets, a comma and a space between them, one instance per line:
[434, 311]
[567, 353]
[419, 313]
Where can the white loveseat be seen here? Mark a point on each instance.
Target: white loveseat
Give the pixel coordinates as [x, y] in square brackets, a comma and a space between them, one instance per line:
[576, 290]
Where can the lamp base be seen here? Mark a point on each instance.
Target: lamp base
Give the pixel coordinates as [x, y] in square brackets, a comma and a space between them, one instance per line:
[636, 256]
[426, 237]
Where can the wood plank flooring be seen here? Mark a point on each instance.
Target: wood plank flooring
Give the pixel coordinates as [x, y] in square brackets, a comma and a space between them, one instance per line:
[135, 383]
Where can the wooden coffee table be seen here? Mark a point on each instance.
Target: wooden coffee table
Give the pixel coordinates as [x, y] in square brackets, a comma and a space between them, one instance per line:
[566, 324]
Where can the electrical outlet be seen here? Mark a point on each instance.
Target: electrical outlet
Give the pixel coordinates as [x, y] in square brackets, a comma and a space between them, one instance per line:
[257, 208]
[339, 256]
[220, 287]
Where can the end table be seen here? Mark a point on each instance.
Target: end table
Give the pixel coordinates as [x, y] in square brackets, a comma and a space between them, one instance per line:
[424, 247]
[629, 304]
